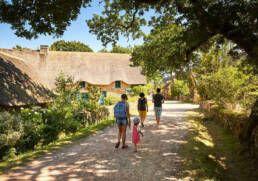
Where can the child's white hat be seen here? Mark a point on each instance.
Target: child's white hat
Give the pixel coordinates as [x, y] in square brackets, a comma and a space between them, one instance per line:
[136, 120]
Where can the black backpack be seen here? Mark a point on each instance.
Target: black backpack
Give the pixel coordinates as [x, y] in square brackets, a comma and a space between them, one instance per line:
[142, 104]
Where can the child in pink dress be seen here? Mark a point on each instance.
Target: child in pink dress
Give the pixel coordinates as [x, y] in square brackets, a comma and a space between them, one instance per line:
[136, 133]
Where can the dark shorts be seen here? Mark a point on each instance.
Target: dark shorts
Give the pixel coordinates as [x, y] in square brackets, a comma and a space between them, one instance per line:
[122, 122]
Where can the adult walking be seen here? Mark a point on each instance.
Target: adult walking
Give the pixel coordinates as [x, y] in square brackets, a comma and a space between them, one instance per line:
[142, 108]
[158, 100]
[122, 114]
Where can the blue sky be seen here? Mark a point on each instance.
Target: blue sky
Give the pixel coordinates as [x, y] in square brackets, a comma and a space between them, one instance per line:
[78, 31]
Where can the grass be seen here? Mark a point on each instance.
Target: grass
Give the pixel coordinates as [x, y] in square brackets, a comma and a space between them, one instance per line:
[212, 153]
[31, 155]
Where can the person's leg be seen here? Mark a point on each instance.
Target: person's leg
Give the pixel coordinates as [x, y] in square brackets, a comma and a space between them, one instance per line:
[124, 134]
[158, 115]
[119, 136]
[142, 119]
[135, 147]
[120, 130]
[144, 114]
[158, 120]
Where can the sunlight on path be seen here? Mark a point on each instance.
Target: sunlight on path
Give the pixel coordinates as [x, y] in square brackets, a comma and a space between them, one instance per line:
[95, 158]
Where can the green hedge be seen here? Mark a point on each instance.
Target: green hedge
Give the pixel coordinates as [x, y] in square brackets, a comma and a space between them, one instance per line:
[28, 128]
[235, 122]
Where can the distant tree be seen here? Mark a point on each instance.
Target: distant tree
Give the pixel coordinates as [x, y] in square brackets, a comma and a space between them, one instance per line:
[72, 46]
[119, 49]
[18, 47]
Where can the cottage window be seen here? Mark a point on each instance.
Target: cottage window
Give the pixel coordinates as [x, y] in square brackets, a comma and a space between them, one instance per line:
[82, 84]
[85, 95]
[118, 84]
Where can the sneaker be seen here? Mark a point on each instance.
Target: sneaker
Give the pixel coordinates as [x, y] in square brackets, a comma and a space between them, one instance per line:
[117, 145]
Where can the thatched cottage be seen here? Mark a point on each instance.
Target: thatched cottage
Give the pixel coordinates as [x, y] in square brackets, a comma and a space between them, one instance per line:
[26, 76]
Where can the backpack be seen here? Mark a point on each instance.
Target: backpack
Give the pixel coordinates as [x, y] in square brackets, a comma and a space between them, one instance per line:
[142, 104]
[120, 110]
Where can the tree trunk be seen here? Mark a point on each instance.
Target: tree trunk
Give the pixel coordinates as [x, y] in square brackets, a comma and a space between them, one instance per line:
[249, 136]
[195, 92]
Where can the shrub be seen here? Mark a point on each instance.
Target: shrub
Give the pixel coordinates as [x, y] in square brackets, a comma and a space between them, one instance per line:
[11, 130]
[27, 128]
[179, 88]
[111, 100]
[141, 88]
[94, 93]
[33, 129]
[228, 86]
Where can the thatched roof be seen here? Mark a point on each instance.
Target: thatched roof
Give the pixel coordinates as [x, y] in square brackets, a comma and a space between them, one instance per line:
[94, 68]
[19, 84]
[42, 69]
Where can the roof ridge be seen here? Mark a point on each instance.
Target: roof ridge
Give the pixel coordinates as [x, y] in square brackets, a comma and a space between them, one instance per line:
[11, 56]
[91, 53]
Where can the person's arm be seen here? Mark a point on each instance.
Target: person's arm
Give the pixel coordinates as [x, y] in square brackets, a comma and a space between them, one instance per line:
[139, 130]
[152, 99]
[128, 115]
[163, 100]
[147, 107]
[138, 104]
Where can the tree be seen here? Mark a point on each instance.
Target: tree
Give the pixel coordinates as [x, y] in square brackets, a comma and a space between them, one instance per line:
[72, 46]
[18, 47]
[236, 20]
[119, 49]
[31, 18]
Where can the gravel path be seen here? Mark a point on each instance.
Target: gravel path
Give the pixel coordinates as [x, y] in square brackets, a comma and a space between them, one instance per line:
[95, 158]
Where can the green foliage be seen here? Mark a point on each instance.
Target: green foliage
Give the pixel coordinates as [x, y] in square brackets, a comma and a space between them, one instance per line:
[202, 19]
[111, 100]
[163, 51]
[119, 49]
[32, 18]
[227, 86]
[141, 88]
[235, 21]
[72, 46]
[179, 88]
[18, 47]
[32, 120]
[11, 130]
[222, 78]
[28, 128]
[94, 93]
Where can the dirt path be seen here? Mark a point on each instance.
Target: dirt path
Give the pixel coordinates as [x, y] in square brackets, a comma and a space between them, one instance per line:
[95, 158]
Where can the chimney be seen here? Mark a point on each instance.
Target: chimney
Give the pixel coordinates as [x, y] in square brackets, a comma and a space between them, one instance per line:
[43, 50]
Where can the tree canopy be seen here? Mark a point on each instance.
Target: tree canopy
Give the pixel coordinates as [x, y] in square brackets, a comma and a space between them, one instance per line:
[72, 46]
[31, 18]
[236, 20]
